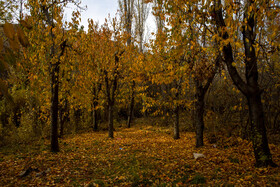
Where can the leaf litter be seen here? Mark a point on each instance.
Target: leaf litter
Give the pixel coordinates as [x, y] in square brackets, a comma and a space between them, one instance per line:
[144, 156]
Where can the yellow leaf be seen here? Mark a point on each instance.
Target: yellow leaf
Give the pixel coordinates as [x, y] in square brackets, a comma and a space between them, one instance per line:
[14, 45]
[250, 9]
[9, 30]
[248, 177]
[22, 38]
[25, 24]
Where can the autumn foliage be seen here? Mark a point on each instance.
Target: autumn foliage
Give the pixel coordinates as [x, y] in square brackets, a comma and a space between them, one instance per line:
[205, 84]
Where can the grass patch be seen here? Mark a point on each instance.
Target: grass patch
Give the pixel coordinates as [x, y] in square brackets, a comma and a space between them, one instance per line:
[198, 179]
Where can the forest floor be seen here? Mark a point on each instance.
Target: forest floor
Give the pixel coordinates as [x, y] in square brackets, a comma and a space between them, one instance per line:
[140, 156]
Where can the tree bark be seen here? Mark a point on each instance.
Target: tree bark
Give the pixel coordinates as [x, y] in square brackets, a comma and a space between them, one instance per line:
[110, 91]
[176, 123]
[77, 116]
[200, 92]
[61, 122]
[198, 120]
[198, 113]
[54, 106]
[94, 117]
[260, 144]
[54, 74]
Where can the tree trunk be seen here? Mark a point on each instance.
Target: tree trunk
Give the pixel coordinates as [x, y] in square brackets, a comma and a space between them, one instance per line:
[130, 114]
[64, 116]
[176, 123]
[54, 75]
[111, 121]
[250, 88]
[54, 107]
[198, 119]
[262, 153]
[199, 105]
[94, 117]
[61, 124]
[111, 92]
[110, 101]
[259, 138]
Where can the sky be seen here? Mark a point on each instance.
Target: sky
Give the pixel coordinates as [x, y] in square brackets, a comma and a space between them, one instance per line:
[98, 10]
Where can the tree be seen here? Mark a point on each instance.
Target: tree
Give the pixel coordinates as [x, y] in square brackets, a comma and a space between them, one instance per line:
[167, 71]
[141, 15]
[111, 64]
[12, 39]
[96, 80]
[49, 40]
[192, 48]
[161, 40]
[201, 89]
[12, 43]
[158, 6]
[127, 10]
[203, 57]
[90, 68]
[253, 14]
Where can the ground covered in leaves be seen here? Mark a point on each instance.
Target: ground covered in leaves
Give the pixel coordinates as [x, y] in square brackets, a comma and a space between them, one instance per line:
[140, 156]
